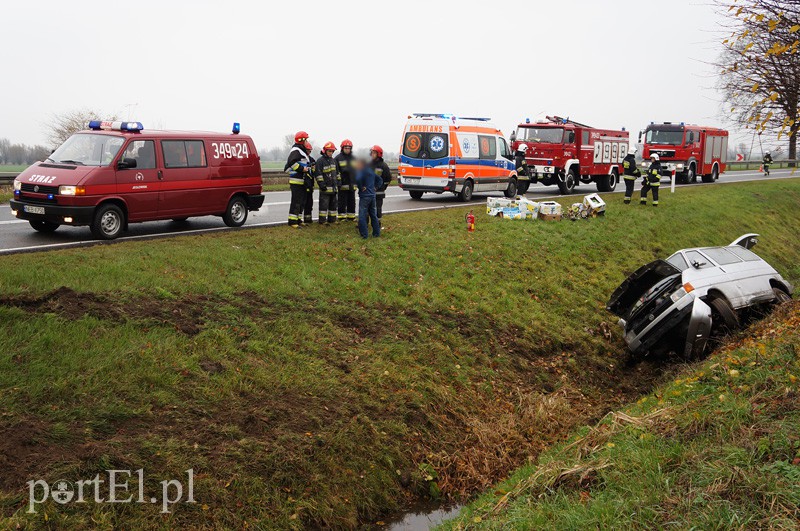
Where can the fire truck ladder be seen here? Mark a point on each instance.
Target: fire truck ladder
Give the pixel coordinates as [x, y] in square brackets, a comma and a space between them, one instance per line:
[560, 120]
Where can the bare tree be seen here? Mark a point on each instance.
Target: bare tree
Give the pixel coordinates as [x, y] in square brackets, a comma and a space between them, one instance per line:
[760, 66]
[62, 126]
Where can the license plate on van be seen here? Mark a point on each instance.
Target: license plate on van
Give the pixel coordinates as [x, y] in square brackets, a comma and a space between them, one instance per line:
[33, 209]
[410, 180]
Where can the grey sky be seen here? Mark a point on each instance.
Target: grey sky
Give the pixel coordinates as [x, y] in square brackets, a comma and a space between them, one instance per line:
[356, 69]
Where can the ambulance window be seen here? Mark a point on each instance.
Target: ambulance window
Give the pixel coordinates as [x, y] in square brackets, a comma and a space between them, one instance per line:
[503, 146]
[143, 152]
[487, 147]
[413, 145]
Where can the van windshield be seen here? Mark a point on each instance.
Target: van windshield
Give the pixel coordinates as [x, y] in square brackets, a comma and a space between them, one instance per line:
[426, 145]
[545, 135]
[86, 149]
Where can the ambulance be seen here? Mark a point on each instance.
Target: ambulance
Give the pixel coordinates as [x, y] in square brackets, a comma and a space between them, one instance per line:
[116, 173]
[445, 153]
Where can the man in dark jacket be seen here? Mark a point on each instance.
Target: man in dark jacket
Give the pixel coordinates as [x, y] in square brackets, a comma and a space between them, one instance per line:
[766, 162]
[368, 183]
[652, 180]
[347, 191]
[297, 166]
[629, 174]
[327, 177]
[523, 172]
[308, 207]
[381, 170]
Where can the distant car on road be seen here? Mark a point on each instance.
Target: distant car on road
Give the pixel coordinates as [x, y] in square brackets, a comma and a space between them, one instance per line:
[675, 304]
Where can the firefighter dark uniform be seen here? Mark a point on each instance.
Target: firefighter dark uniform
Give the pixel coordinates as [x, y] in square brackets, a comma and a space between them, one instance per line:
[382, 170]
[297, 166]
[347, 190]
[308, 206]
[652, 181]
[766, 162]
[327, 177]
[523, 172]
[629, 174]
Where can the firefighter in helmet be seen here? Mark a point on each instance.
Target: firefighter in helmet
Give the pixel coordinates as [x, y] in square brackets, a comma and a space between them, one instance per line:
[766, 162]
[630, 173]
[652, 180]
[347, 191]
[308, 206]
[327, 177]
[523, 173]
[382, 170]
[298, 165]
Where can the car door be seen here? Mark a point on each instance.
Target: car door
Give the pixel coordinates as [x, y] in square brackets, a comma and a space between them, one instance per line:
[505, 161]
[718, 276]
[137, 179]
[488, 173]
[185, 189]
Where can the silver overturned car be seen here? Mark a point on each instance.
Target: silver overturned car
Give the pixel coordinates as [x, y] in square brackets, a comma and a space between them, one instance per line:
[675, 304]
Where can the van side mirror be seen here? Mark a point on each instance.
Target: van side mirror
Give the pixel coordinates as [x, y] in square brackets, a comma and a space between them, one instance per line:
[698, 265]
[126, 164]
[513, 136]
[640, 137]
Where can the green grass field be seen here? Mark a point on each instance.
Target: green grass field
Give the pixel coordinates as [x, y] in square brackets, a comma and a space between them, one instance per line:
[12, 167]
[313, 379]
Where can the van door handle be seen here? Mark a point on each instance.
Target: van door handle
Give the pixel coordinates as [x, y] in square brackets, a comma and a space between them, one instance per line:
[160, 175]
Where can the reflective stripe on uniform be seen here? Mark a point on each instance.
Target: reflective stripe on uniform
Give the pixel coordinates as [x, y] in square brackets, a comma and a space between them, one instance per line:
[296, 181]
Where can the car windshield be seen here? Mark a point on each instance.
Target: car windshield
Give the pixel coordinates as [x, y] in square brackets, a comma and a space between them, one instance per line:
[545, 135]
[86, 149]
[665, 138]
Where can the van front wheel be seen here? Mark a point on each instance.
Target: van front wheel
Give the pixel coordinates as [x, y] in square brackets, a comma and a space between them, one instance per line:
[466, 191]
[44, 226]
[109, 220]
[511, 191]
[236, 213]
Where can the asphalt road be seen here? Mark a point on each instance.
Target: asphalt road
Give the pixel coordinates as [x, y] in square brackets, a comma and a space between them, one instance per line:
[17, 235]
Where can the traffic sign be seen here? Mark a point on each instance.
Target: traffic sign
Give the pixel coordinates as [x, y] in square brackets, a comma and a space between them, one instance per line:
[739, 157]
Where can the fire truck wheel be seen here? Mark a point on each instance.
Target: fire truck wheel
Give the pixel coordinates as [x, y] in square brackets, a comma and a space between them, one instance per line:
[691, 175]
[715, 173]
[44, 226]
[522, 188]
[511, 191]
[708, 178]
[607, 183]
[415, 194]
[236, 213]
[108, 223]
[567, 184]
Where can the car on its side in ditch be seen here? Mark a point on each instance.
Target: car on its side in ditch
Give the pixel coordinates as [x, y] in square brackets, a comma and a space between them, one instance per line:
[675, 304]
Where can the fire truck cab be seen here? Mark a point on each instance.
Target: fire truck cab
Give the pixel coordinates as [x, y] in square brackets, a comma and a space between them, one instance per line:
[566, 153]
[686, 150]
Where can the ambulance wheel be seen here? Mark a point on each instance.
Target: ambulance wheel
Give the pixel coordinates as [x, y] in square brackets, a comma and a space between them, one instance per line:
[108, 222]
[466, 191]
[522, 188]
[415, 194]
[44, 226]
[236, 213]
[567, 184]
[511, 191]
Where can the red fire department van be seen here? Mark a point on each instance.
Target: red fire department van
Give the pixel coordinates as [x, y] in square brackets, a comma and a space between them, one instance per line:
[566, 153]
[687, 150]
[115, 173]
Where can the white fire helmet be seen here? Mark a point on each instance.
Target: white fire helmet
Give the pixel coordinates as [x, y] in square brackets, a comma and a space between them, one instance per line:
[654, 156]
[523, 147]
[633, 150]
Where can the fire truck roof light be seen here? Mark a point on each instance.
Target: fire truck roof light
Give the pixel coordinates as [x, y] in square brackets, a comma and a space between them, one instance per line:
[683, 123]
[527, 120]
[97, 125]
[236, 128]
[652, 123]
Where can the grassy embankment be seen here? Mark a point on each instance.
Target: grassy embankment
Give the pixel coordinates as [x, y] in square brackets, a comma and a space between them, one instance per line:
[717, 448]
[310, 378]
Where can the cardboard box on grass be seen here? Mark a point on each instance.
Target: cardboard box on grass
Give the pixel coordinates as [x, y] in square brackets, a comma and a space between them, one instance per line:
[595, 205]
[550, 211]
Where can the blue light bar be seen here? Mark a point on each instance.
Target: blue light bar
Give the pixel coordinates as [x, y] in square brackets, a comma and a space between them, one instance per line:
[98, 125]
[236, 128]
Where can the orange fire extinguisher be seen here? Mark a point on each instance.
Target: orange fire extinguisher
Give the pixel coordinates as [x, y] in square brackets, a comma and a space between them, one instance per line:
[470, 218]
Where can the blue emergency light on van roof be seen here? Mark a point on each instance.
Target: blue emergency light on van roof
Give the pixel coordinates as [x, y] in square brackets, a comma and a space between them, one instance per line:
[236, 128]
[98, 125]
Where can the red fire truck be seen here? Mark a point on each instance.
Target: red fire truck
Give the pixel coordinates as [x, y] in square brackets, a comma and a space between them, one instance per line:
[687, 150]
[566, 153]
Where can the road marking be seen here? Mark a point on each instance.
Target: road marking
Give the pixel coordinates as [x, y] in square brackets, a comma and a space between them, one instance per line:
[11, 221]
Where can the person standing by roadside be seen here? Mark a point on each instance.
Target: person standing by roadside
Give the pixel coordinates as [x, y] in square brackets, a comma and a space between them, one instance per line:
[382, 170]
[765, 162]
[629, 174]
[368, 183]
[523, 172]
[327, 177]
[652, 180]
[347, 191]
[308, 205]
[298, 165]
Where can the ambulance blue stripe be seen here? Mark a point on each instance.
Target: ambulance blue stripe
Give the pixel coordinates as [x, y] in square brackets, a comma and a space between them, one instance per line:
[435, 163]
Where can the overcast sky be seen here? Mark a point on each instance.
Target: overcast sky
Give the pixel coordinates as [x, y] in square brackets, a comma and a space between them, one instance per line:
[356, 69]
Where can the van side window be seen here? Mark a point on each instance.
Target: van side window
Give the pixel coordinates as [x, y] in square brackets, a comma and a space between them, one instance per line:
[183, 153]
[487, 147]
[143, 152]
[503, 146]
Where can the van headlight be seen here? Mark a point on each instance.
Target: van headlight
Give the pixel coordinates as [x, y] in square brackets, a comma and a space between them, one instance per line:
[681, 292]
[71, 190]
[17, 185]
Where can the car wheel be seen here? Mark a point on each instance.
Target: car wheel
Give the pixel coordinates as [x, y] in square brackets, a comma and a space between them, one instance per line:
[44, 226]
[236, 213]
[522, 187]
[108, 223]
[567, 185]
[415, 194]
[781, 296]
[466, 191]
[511, 191]
[723, 318]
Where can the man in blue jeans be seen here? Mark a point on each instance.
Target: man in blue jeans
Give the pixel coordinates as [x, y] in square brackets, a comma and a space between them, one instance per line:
[367, 183]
